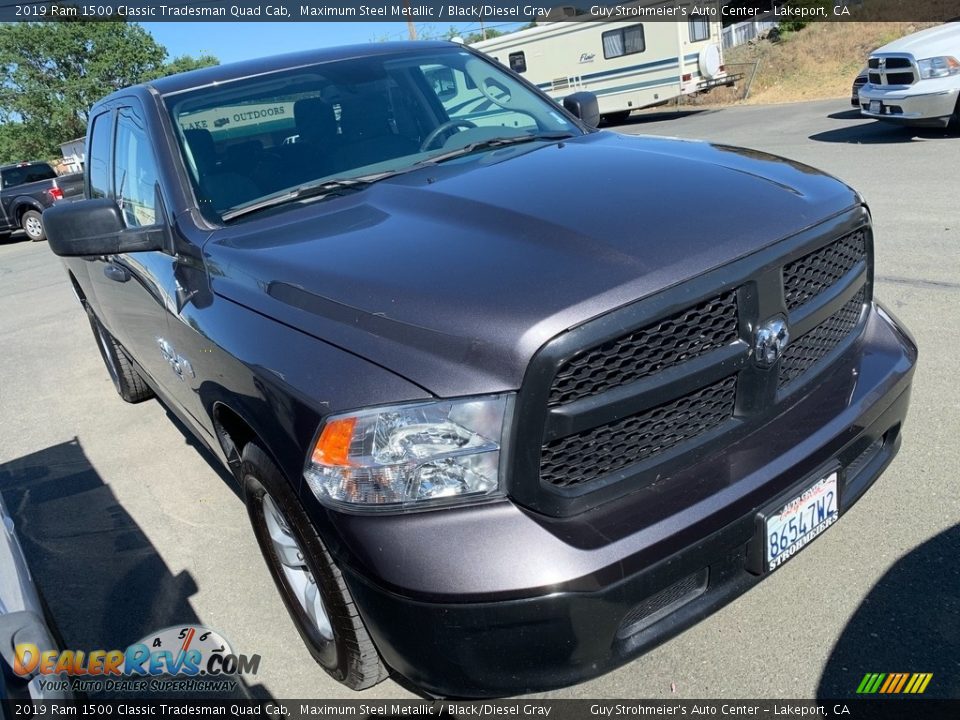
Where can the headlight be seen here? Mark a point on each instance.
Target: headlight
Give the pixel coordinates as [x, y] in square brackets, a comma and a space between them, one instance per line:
[937, 67]
[423, 453]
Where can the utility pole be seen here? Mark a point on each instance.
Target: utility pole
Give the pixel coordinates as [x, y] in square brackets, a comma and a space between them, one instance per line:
[411, 28]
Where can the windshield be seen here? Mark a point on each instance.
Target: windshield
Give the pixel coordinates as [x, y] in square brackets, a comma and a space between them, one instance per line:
[253, 143]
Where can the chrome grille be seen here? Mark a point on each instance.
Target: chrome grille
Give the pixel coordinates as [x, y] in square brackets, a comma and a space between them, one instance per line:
[891, 70]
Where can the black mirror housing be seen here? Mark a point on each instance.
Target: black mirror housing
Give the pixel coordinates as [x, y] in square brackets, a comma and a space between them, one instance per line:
[584, 105]
[96, 227]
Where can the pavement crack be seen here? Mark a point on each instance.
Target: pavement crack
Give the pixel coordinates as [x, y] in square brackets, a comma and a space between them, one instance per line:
[915, 282]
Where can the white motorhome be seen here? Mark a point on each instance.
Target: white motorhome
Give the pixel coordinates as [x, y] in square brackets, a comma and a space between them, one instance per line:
[627, 65]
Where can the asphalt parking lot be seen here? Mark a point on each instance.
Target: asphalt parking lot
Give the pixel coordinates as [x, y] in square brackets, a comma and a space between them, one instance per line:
[130, 528]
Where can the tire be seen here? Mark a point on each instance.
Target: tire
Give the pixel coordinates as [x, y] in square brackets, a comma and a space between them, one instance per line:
[333, 632]
[32, 225]
[127, 381]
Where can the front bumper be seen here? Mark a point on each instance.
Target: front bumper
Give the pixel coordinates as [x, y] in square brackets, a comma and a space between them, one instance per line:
[494, 600]
[909, 107]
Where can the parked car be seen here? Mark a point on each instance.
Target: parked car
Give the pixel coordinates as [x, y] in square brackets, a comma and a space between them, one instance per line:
[26, 190]
[22, 621]
[858, 82]
[916, 80]
[508, 404]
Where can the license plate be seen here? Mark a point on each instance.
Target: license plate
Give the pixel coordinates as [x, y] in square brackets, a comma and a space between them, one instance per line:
[875, 107]
[797, 523]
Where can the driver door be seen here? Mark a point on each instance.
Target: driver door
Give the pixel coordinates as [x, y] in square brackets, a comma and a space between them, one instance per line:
[132, 289]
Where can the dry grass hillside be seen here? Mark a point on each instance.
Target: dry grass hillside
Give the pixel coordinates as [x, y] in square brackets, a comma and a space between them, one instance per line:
[817, 62]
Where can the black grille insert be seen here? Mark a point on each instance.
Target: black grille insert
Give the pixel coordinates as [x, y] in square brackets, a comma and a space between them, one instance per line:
[900, 78]
[810, 275]
[805, 352]
[895, 63]
[602, 450]
[690, 333]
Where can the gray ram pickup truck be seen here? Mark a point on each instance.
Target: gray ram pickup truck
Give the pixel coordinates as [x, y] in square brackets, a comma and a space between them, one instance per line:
[26, 190]
[505, 409]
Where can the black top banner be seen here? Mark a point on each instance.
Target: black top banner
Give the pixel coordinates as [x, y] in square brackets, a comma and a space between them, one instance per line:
[486, 10]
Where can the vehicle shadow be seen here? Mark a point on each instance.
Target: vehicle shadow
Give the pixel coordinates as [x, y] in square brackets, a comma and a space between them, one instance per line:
[104, 582]
[909, 622]
[17, 236]
[644, 117]
[875, 132]
[851, 114]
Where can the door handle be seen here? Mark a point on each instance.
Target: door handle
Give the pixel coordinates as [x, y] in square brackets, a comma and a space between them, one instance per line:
[115, 272]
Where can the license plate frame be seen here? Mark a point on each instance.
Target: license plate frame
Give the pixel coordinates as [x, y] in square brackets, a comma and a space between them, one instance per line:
[876, 107]
[777, 515]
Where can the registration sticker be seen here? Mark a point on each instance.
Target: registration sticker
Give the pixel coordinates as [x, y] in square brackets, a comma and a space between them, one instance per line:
[801, 520]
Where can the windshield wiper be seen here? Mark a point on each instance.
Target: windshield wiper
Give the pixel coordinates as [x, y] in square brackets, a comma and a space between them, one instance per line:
[316, 190]
[493, 143]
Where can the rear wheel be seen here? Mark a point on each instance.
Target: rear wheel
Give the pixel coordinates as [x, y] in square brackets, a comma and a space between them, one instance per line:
[127, 381]
[309, 582]
[33, 225]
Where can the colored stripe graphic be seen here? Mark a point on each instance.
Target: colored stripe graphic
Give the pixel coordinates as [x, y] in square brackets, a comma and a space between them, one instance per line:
[894, 683]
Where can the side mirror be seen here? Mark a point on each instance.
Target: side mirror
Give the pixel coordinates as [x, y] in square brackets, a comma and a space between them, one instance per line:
[584, 105]
[96, 227]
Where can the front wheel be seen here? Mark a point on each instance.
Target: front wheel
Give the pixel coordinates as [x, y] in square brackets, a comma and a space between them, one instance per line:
[33, 226]
[127, 381]
[309, 582]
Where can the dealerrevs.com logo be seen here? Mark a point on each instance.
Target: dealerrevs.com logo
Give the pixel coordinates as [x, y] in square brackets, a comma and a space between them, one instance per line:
[182, 658]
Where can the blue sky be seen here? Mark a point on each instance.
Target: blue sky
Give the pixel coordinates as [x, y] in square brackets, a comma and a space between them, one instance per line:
[232, 41]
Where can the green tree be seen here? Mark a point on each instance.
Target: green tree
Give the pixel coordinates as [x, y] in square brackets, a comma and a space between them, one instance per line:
[788, 26]
[53, 72]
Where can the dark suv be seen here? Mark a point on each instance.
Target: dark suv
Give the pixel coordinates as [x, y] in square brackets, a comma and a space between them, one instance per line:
[511, 400]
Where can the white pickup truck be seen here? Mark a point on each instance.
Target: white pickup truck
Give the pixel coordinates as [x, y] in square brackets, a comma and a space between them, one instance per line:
[915, 80]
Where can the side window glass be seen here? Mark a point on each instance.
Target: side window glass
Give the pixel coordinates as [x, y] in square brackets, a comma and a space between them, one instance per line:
[134, 170]
[699, 30]
[626, 41]
[98, 161]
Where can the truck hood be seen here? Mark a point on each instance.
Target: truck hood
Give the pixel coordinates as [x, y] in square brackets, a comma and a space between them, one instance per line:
[454, 275]
[941, 40]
